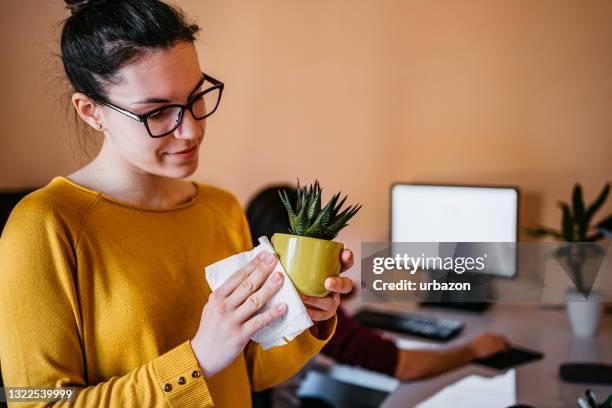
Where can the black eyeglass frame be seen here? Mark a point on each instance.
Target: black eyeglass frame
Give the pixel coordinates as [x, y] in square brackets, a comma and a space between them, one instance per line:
[189, 106]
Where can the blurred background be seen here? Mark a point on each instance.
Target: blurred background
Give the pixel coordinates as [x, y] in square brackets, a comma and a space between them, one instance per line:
[357, 94]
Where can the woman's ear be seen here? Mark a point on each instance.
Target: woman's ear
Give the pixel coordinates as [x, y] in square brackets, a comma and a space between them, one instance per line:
[88, 110]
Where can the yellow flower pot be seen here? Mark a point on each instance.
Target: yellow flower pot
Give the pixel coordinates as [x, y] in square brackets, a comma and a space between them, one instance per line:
[308, 261]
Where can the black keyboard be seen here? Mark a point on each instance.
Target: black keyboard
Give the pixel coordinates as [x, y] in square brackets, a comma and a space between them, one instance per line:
[422, 326]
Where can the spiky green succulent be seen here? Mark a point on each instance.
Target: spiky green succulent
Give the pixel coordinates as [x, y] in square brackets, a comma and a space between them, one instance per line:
[308, 219]
[576, 219]
[575, 227]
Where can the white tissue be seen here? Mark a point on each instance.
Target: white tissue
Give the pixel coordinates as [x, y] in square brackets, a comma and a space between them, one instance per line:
[292, 323]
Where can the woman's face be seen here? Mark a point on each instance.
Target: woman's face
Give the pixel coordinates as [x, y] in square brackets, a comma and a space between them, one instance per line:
[161, 78]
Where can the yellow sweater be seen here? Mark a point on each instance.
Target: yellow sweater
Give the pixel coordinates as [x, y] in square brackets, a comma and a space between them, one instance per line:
[104, 295]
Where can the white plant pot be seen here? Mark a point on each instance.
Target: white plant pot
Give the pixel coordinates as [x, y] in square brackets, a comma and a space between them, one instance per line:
[583, 314]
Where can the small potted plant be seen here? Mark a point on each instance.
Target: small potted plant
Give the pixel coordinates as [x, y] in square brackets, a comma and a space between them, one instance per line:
[308, 252]
[583, 306]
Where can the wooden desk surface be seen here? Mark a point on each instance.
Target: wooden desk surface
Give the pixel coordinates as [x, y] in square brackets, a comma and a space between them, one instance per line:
[529, 325]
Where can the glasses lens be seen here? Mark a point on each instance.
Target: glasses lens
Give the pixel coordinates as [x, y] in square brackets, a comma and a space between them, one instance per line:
[164, 121]
[206, 104]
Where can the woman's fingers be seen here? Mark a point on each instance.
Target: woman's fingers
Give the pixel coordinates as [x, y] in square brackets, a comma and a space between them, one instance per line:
[257, 300]
[339, 284]
[329, 302]
[318, 315]
[263, 319]
[250, 288]
[263, 265]
[346, 260]
[233, 281]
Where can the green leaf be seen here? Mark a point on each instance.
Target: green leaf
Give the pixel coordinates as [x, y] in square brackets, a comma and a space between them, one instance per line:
[542, 232]
[298, 203]
[314, 231]
[594, 237]
[301, 220]
[321, 222]
[337, 207]
[340, 215]
[579, 211]
[341, 221]
[329, 216]
[599, 201]
[567, 223]
[287, 203]
[314, 206]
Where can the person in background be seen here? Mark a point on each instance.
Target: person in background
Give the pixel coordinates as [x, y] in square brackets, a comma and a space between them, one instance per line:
[353, 344]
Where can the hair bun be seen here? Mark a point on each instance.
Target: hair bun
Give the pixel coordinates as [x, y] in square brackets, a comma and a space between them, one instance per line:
[77, 5]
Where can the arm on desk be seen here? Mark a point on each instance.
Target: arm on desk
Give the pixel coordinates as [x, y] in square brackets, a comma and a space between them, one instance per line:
[413, 364]
[355, 345]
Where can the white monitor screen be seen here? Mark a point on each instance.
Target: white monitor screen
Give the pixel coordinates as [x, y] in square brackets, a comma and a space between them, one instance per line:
[434, 213]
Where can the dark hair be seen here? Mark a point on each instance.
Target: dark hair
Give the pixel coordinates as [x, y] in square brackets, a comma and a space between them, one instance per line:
[266, 213]
[101, 36]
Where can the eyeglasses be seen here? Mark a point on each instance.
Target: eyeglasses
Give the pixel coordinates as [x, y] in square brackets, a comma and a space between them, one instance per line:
[166, 119]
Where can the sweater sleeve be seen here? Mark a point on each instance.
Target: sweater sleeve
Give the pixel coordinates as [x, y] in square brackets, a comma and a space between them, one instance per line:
[353, 344]
[41, 336]
[268, 368]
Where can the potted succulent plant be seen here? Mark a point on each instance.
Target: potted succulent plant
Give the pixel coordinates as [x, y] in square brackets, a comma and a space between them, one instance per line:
[583, 305]
[308, 252]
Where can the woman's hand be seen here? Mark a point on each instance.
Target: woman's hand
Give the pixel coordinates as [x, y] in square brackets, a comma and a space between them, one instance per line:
[320, 309]
[229, 320]
[487, 344]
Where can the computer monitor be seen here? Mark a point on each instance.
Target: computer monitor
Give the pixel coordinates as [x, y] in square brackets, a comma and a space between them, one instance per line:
[447, 213]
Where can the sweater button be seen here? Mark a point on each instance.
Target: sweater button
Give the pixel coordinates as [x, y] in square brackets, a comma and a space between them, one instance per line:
[195, 374]
[181, 380]
[168, 387]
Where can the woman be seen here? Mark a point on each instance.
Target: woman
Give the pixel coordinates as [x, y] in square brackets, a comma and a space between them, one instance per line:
[103, 270]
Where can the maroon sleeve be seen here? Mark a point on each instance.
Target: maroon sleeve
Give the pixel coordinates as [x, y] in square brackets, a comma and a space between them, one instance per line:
[353, 344]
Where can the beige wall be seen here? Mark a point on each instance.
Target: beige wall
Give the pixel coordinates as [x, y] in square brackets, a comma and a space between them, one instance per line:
[361, 94]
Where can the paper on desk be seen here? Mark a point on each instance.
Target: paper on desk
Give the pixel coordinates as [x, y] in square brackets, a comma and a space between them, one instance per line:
[476, 391]
[406, 343]
[362, 377]
[294, 321]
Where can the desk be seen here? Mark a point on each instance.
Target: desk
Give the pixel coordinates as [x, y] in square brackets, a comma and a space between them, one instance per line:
[529, 325]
